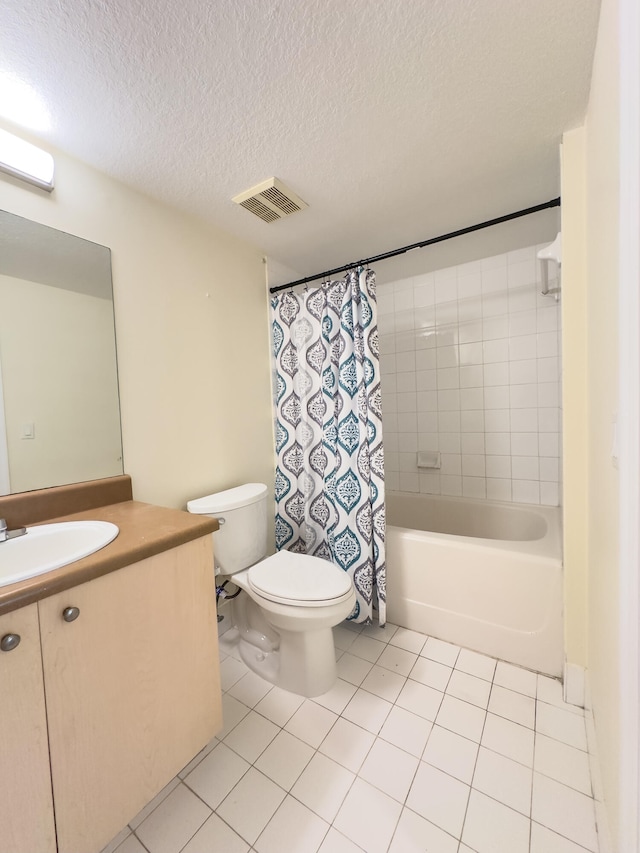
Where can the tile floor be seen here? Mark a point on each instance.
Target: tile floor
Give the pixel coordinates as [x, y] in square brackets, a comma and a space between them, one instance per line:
[420, 746]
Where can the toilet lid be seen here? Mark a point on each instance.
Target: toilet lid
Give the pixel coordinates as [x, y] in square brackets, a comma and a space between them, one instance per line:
[299, 579]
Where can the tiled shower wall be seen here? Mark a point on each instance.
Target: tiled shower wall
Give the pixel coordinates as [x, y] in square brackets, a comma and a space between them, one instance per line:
[470, 363]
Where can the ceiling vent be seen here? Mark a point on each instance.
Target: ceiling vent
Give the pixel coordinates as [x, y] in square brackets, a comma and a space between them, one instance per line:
[270, 200]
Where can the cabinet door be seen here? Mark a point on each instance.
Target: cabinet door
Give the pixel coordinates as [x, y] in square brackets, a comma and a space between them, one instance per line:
[132, 688]
[26, 806]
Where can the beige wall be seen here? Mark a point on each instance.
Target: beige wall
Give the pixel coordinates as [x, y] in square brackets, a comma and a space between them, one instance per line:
[58, 368]
[602, 146]
[574, 394]
[590, 179]
[192, 335]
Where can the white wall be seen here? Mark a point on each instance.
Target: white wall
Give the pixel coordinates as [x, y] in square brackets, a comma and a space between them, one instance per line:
[470, 368]
[192, 334]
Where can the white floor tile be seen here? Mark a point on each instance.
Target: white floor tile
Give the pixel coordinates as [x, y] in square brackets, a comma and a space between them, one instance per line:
[232, 712]
[397, 660]
[389, 769]
[550, 691]
[338, 697]
[384, 683]
[469, 688]
[476, 664]
[414, 834]
[231, 670]
[214, 836]
[508, 738]
[353, 669]
[420, 699]
[116, 842]
[368, 817]
[440, 651]
[311, 723]
[515, 678]
[279, 705]
[561, 725]
[431, 673]
[377, 633]
[563, 763]
[198, 758]
[154, 803]
[322, 786]
[410, 641]
[368, 711]
[454, 754]
[565, 811]
[461, 717]
[284, 759]
[251, 804]
[406, 730]
[504, 780]
[491, 827]
[292, 827]
[250, 689]
[130, 845]
[342, 638]
[174, 822]
[251, 736]
[217, 775]
[366, 648]
[336, 842]
[439, 798]
[513, 706]
[543, 840]
[348, 744]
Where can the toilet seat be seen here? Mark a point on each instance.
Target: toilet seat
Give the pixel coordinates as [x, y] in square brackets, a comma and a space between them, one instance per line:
[299, 580]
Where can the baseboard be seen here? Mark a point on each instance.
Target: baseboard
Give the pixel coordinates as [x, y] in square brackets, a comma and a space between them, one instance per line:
[574, 684]
[602, 819]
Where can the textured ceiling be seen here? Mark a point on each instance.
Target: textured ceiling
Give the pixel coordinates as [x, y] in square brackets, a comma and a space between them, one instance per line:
[393, 120]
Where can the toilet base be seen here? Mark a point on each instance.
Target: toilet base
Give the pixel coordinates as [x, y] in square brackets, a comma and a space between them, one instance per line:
[301, 662]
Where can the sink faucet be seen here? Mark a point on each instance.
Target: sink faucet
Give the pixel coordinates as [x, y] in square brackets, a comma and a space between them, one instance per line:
[6, 534]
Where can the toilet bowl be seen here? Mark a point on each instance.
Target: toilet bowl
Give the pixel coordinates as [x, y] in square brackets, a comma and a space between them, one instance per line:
[289, 602]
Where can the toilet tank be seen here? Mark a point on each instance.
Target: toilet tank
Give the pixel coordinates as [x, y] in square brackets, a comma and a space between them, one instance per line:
[241, 540]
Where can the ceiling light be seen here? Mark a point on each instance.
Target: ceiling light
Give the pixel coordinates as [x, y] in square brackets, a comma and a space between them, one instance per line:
[25, 161]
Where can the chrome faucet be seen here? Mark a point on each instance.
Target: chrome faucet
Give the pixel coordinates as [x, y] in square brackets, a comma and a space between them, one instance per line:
[6, 534]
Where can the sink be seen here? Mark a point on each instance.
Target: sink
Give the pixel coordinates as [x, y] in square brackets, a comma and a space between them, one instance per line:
[49, 546]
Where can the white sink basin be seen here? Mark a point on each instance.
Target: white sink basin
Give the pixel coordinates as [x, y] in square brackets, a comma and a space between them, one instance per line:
[49, 546]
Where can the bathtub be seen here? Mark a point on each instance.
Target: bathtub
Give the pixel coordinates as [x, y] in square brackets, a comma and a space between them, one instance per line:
[480, 574]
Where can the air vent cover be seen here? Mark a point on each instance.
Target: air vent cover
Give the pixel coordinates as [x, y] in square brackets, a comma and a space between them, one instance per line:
[270, 200]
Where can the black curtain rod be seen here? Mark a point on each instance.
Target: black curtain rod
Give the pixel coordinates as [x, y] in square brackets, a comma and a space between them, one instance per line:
[555, 202]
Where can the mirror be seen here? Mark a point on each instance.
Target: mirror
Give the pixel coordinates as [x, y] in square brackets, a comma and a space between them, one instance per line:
[59, 405]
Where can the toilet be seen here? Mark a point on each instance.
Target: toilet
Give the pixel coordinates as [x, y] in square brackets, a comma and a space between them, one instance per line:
[289, 602]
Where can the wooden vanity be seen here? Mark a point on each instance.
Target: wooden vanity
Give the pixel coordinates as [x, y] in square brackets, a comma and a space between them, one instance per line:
[100, 712]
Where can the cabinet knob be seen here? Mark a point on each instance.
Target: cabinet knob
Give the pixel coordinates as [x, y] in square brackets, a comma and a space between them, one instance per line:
[70, 614]
[9, 642]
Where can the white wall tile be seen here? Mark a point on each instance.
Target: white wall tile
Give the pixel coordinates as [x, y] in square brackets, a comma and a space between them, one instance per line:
[472, 421]
[470, 364]
[496, 374]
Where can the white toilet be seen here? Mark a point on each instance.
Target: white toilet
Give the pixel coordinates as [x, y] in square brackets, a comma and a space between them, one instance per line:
[292, 601]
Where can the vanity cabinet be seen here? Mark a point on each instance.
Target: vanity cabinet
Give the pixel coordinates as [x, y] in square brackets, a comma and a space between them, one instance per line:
[131, 679]
[26, 805]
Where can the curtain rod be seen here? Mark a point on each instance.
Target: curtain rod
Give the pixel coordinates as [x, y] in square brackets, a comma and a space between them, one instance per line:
[554, 202]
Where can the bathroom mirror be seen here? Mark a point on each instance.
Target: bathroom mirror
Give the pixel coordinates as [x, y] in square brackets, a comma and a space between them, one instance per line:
[59, 405]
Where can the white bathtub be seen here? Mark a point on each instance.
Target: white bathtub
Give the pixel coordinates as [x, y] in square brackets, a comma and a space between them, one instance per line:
[481, 574]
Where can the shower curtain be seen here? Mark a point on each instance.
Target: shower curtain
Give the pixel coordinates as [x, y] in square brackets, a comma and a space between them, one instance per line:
[329, 484]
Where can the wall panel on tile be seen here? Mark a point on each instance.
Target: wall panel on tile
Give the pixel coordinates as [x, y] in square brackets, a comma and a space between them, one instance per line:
[470, 359]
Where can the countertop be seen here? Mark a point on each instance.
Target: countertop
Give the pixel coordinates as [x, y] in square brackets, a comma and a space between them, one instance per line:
[145, 530]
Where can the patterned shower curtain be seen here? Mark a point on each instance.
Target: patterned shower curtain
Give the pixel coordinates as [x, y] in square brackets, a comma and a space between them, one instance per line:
[329, 484]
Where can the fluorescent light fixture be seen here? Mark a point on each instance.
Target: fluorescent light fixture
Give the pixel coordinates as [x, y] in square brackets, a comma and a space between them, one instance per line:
[23, 160]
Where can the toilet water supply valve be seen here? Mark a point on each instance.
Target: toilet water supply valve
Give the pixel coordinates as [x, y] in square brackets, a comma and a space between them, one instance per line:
[221, 592]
